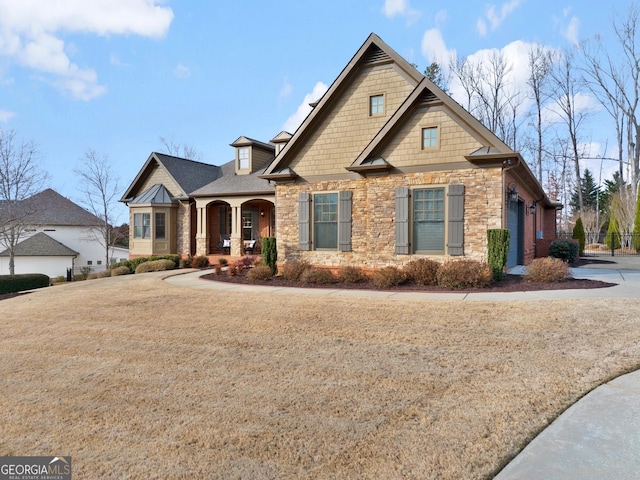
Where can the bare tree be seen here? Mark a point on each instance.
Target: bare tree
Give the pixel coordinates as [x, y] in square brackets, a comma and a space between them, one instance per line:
[616, 75]
[99, 188]
[21, 176]
[540, 63]
[567, 88]
[181, 150]
[489, 95]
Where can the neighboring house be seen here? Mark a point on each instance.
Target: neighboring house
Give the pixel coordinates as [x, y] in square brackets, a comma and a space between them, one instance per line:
[58, 235]
[385, 169]
[39, 254]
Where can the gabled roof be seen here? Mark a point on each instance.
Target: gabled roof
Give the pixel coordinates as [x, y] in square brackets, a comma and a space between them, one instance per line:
[50, 208]
[231, 184]
[156, 195]
[189, 175]
[41, 245]
[372, 52]
[246, 142]
[283, 136]
[425, 93]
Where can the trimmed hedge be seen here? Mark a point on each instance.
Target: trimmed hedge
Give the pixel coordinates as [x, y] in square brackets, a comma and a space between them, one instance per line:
[155, 266]
[135, 262]
[18, 283]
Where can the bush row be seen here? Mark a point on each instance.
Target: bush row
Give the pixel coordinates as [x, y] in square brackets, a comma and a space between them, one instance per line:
[133, 263]
[26, 281]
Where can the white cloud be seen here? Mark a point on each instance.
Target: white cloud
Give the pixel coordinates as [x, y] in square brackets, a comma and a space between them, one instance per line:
[182, 71]
[394, 7]
[295, 120]
[31, 34]
[434, 48]
[400, 8]
[286, 90]
[481, 26]
[5, 116]
[572, 30]
[496, 16]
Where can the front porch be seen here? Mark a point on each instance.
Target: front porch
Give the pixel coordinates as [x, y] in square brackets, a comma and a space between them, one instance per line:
[233, 227]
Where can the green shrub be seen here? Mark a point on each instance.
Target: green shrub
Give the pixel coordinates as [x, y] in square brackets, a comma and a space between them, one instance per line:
[565, 250]
[349, 274]
[25, 281]
[223, 261]
[464, 273]
[200, 262]
[270, 253]
[261, 272]
[579, 235]
[320, 276]
[547, 269]
[497, 250]
[124, 263]
[388, 277]
[422, 271]
[84, 272]
[123, 270]
[155, 266]
[185, 262]
[294, 270]
[613, 234]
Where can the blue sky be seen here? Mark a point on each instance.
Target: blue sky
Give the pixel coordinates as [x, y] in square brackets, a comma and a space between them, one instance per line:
[116, 75]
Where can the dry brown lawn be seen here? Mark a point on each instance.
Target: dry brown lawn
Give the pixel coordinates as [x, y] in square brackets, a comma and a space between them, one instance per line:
[135, 378]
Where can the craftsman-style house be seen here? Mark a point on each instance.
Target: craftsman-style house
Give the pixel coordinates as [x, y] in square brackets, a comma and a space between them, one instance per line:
[386, 168]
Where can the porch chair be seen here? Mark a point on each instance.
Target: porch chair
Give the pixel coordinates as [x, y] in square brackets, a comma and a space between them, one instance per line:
[225, 244]
[249, 247]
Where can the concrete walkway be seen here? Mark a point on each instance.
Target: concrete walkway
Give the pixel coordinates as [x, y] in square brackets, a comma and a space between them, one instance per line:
[596, 438]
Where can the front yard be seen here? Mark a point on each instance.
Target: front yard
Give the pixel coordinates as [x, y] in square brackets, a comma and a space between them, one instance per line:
[135, 378]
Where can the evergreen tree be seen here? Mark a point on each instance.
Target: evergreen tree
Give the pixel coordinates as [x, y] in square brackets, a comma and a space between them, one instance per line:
[590, 194]
[434, 73]
[578, 234]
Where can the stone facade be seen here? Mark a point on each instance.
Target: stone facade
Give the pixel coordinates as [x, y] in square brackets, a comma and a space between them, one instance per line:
[373, 216]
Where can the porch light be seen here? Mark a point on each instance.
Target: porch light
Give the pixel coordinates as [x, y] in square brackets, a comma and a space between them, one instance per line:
[532, 208]
[512, 192]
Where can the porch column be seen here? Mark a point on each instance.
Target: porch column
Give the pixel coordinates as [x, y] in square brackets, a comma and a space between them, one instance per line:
[202, 235]
[236, 230]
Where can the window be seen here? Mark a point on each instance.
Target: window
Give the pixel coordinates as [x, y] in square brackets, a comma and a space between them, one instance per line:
[429, 137]
[247, 225]
[243, 158]
[422, 214]
[428, 220]
[376, 105]
[325, 220]
[160, 226]
[99, 262]
[141, 225]
[89, 262]
[326, 225]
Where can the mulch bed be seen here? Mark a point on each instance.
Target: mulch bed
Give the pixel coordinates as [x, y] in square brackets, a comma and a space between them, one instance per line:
[510, 283]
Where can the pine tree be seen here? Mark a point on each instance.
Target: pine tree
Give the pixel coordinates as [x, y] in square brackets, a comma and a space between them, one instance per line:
[590, 194]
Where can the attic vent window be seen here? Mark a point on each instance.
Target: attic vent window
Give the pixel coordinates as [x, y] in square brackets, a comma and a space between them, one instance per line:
[376, 105]
[429, 137]
[243, 158]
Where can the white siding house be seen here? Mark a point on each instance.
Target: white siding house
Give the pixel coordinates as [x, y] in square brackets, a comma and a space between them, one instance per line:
[75, 236]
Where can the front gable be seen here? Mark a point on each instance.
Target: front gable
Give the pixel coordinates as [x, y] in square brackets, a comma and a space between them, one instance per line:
[152, 173]
[342, 123]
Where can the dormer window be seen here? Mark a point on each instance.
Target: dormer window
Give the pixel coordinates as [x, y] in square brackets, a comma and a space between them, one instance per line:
[243, 158]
